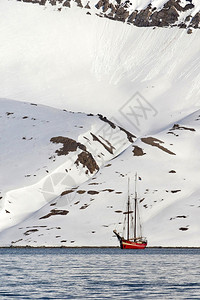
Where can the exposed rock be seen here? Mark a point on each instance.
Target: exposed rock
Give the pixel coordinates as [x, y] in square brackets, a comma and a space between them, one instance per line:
[108, 190]
[178, 127]
[108, 165]
[175, 191]
[189, 31]
[137, 151]
[102, 118]
[156, 143]
[188, 6]
[174, 3]
[91, 192]
[67, 192]
[79, 3]
[109, 148]
[178, 217]
[120, 10]
[88, 6]
[149, 16]
[195, 22]
[183, 228]
[28, 232]
[84, 206]
[132, 16]
[80, 191]
[67, 3]
[143, 17]
[87, 160]
[130, 136]
[69, 145]
[52, 2]
[42, 2]
[55, 212]
[121, 14]
[99, 4]
[165, 17]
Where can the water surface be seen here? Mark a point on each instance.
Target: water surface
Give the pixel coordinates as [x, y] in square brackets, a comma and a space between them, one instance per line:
[99, 273]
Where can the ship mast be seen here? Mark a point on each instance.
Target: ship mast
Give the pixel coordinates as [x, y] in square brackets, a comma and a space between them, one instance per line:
[128, 212]
[135, 212]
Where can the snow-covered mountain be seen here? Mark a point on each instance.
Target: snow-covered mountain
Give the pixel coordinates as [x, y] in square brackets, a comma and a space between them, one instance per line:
[64, 174]
[47, 153]
[64, 178]
[70, 60]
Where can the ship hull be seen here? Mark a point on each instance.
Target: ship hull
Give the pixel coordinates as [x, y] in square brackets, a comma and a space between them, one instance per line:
[127, 244]
[132, 245]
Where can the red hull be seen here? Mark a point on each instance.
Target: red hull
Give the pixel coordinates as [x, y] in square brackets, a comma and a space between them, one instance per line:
[127, 244]
[132, 245]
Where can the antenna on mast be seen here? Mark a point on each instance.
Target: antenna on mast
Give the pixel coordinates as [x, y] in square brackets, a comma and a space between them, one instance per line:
[135, 185]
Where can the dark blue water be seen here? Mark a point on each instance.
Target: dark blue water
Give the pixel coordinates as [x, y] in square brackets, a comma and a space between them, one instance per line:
[99, 274]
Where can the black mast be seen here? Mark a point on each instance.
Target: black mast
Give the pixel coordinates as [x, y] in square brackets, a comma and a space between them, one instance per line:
[135, 215]
[128, 221]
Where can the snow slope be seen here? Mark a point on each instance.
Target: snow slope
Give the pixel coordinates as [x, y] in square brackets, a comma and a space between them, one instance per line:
[71, 207]
[45, 151]
[64, 174]
[79, 62]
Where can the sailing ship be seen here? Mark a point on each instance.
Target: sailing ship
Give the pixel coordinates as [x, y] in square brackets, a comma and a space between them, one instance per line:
[132, 225]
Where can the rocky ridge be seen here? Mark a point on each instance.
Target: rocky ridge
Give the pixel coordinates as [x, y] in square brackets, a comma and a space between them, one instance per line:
[181, 13]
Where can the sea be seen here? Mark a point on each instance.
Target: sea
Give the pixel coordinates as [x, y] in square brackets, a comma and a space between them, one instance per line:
[99, 273]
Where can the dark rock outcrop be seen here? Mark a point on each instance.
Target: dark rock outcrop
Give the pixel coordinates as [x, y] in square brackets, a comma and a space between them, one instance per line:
[69, 145]
[55, 212]
[137, 151]
[195, 22]
[166, 16]
[66, 3]
[87, 160]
